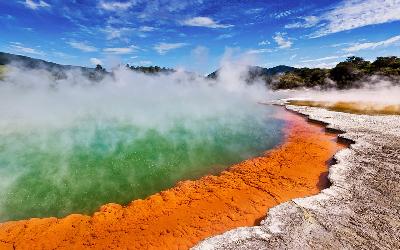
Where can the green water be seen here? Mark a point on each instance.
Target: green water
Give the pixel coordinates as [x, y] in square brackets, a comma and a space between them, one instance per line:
[77, 168]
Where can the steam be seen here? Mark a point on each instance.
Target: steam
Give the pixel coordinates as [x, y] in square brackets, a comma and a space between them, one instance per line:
[34, 97]
[375, 89]
[71, 145]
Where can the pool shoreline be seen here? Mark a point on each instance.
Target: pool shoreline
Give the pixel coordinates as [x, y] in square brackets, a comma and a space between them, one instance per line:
[358, 210]
[180, 217]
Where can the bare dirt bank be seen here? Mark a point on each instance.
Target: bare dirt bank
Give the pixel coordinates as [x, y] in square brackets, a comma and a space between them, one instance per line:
[180, 217]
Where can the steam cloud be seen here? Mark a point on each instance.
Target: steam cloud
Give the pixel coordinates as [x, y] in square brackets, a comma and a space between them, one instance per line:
[57, 136]
[35, 97]
[375, 90]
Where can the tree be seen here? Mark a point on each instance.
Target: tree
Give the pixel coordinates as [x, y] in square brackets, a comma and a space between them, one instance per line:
[355, 60]
[345, 74]
[312, 77]
[150, 69]
[388, 66]
[359, 63]
[99, 68]
[382, 62]
[289, 80]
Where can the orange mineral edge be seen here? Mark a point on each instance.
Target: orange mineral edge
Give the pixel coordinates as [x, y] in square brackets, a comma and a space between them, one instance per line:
[180, 217]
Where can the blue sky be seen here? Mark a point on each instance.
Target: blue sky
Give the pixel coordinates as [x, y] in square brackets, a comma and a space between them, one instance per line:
[195, 34]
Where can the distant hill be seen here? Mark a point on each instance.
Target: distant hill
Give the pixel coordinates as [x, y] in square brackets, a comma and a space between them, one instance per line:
[260, 72]
[33, 63]
[351, 73]
[271, 71]
[59, 70]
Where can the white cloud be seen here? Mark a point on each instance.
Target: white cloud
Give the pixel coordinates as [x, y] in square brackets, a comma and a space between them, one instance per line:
[147, 29]
[19, 47]
[264, 43]
[8, 17]
[283, 14]
[115, 6]
[371, 45]
[205, 22]
[121, 51]
[123, 33]
[31, 4]
[59, 54]
[163, 48]
[224, 36]
[82, 46]
[293, 57]
[258, 51]
[113, 33]
[352, 14]
[62, 54]
[143, 30]
[253, 11]
[327, 58]
[323, 65]
[95, 61]
[335, 45]
[145, 62]
[309, 21]
[283, 43]
[142, 63]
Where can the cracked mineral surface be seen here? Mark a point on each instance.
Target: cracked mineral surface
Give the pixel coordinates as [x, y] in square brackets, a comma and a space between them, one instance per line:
[360, 210]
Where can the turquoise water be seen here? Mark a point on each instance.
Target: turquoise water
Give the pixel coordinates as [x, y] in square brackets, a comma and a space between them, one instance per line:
[54, 171]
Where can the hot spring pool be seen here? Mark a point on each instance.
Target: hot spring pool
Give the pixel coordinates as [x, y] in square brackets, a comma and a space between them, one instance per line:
[71, 145]
[56, 171]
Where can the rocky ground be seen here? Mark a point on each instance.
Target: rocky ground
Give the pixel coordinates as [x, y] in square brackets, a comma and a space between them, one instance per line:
[361, 209]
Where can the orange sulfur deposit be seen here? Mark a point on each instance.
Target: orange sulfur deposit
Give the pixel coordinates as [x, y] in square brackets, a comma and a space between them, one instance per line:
[180, 217]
